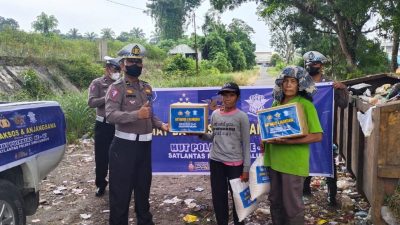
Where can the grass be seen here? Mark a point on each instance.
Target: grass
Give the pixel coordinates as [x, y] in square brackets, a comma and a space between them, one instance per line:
[273, 71]
[394, 203]
[159, 80]
[79, 117]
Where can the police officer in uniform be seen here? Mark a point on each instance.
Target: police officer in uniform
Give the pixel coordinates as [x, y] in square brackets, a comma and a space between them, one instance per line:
[128, 106]
[103, 131]
[314, 62]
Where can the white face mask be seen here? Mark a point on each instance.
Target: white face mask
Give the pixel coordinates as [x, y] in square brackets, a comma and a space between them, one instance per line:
[115, 76]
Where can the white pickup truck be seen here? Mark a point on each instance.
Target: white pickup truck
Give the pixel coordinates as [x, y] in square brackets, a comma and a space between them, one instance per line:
[32, 143]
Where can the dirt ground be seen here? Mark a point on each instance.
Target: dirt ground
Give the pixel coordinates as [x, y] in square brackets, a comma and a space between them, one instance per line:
[67, 197]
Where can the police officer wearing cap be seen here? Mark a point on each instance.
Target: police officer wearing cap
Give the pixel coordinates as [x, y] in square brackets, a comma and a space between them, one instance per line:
[128, 106]
[314, 62]
[103, 131]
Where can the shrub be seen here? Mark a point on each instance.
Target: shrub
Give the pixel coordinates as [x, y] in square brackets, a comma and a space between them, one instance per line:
[281, 65]
[79, 117]
[394, 202]
[275, 59]
[178, 63]
[33, 86]
[81, 72]
[221, 63]
[154, 52]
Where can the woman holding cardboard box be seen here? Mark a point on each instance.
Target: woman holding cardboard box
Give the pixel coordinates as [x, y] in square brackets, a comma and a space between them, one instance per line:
[288, 158]
[230, 153]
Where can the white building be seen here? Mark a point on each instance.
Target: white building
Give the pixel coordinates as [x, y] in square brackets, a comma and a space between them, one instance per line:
[263, 58]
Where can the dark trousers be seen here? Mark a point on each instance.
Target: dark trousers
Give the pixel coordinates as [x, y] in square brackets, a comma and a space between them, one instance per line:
[330, 182]
[220, 174]
[130, 170]
[103, 136]
[286, 197]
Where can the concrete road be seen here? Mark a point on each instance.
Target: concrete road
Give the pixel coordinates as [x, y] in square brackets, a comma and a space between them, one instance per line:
[264, 78]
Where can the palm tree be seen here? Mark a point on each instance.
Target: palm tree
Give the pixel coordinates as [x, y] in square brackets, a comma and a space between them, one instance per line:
[90, 36]
[107, 33]
[137, 33]
[73, 34]
[124, 36]
[45, 24]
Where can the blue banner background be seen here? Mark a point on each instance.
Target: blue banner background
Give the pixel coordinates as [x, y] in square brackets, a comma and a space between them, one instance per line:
[175, 153]
[26, 139]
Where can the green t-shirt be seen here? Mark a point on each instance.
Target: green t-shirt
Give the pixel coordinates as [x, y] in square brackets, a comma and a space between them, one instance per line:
[294, 158]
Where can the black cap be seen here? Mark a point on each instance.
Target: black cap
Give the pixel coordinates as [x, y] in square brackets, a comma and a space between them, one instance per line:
[230, 87]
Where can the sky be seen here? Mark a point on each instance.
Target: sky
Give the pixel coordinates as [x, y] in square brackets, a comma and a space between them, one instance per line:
[94, 15]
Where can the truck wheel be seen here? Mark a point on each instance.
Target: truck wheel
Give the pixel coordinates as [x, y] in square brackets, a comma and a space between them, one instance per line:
[11, 205]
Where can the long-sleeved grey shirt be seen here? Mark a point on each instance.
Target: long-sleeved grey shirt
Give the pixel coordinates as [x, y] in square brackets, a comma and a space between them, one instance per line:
[123, 101]
[231, 137]
[97, 93]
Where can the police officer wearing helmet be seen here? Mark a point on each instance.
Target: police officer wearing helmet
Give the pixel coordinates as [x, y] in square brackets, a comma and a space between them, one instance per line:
[314, 62]
[104, 131]
[128, 106]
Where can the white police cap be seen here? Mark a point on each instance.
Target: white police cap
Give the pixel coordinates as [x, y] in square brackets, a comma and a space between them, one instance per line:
[313, 57]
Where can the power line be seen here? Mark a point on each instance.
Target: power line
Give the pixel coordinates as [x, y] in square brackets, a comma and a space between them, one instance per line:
[129, 6]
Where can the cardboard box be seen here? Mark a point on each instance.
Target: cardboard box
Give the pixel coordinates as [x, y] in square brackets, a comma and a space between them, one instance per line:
[282, 121]
[188, 117]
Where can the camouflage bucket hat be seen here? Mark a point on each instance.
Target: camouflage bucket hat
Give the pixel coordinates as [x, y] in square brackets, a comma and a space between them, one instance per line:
[306, 83]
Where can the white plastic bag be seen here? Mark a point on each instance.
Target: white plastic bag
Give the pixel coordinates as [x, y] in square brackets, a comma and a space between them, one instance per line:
[366, 121]
[259, 181]
[241, 196]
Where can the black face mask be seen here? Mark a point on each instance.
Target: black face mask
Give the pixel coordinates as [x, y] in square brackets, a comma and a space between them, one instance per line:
[313, 70]
[133, 70]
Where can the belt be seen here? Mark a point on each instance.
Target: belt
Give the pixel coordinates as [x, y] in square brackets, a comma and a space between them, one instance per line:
[133, 137]
[101, 119]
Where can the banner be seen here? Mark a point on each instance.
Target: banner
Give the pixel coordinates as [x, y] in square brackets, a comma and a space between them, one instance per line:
[176, 153]
[27, 129]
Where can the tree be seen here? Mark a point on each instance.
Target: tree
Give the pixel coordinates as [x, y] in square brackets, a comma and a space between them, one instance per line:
[171, 15]
[241, 33]
[8, 23]
[74, 34]
[124, 36]
[90, 36]
[45, 24]
[236, 56]
[232, 41]
[221, 63]
[390, 25]
[282, 32]
[344, 21]
[107, 33]
[137, 33]
[213, 44]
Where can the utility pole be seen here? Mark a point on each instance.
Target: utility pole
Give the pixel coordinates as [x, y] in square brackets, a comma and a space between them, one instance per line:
[195, 44]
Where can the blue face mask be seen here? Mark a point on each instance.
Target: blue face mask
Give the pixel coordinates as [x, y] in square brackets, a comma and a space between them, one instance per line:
[133, 70]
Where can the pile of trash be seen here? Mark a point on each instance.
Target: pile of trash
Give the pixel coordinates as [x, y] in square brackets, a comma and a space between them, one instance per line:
[383, 94]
